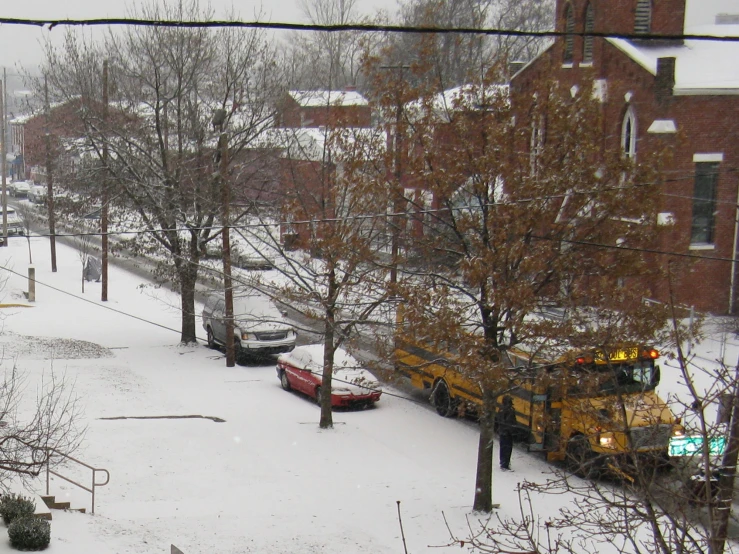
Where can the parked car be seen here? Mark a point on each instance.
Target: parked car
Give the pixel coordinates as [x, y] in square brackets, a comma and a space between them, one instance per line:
[37, 194]
[15, 224]
[259, 327]
[254, 261]
[19, 189]
[352, 385]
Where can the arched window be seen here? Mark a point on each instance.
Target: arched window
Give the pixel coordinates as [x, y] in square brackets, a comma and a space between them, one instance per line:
[536, 145]
[587, 42]
[569, 37]
[628, 134]
[643, 19]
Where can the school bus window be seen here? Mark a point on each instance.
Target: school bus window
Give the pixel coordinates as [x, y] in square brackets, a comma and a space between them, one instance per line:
[633, 377]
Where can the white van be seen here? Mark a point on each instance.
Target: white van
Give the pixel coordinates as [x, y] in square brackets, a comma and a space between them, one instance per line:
[259, 327]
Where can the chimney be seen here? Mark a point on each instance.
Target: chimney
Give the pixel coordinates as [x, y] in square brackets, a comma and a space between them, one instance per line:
[665, 79]
[727, 19]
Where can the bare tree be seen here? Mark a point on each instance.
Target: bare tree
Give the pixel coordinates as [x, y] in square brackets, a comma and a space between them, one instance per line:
[329, 59]
[167, 86]
[688, 509]
[457, 59]
[506, 235]
[84, 246]
[29, 218]
[29, 438]
[332, 275]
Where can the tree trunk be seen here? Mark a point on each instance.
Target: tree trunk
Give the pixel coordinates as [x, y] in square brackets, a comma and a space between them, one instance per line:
[329, 348]
[721, 505]
[327, 421]
[188, 276]
[484, 477]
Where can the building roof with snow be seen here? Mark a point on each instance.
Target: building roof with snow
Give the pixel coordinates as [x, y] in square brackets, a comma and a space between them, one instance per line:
[701, 66]
[318, 98]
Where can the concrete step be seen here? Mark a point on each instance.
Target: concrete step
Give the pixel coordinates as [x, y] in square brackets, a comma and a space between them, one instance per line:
[52, 504]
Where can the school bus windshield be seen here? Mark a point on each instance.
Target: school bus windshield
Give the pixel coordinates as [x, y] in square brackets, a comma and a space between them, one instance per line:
[627, 377]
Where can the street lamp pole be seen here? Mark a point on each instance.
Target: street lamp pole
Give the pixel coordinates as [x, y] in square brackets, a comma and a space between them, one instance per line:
[105, 196]
[219, 122]
[398, 194]
[50, 179]
[3, 154]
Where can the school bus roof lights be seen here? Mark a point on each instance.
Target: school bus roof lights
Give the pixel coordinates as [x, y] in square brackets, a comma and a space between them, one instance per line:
[617, 356]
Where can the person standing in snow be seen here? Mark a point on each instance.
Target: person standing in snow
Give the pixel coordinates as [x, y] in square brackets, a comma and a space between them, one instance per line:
[505, 421]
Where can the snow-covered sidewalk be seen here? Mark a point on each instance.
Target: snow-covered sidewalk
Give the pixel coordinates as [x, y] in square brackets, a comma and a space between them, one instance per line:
[265, 480]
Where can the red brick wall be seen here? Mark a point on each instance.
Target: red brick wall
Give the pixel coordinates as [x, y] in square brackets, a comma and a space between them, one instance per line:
[703, 127]
[293, 115]
[63, 122]
[617, 16]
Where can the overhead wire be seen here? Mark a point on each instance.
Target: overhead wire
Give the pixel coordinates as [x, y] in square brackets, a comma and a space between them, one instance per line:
[51, 23]
[360, 27]
[421, 212]
[150, 322]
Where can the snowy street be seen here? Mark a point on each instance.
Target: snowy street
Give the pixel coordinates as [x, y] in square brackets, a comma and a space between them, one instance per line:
[265, 480]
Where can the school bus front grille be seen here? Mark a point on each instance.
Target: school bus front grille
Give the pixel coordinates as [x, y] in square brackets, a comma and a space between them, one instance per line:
[651, 436]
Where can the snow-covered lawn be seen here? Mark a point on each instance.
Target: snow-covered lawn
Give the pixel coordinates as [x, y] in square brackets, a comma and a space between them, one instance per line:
[266, 479]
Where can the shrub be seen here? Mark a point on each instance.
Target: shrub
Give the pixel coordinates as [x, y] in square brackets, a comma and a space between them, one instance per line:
[13, 506]
[29, 533]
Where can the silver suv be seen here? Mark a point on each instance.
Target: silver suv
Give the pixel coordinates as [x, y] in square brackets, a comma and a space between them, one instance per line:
[259, 327]
[15, 224]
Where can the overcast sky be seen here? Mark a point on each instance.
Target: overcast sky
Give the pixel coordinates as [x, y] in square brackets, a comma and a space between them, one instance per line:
[21, 45]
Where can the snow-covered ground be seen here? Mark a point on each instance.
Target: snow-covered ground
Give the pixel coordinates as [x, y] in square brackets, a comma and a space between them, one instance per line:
[266, 479]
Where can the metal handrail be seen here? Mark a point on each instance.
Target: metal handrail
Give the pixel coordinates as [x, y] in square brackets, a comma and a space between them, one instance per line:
[94, 483]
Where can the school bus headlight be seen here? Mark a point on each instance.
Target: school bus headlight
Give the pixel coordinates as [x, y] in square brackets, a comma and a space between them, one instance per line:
[607, 441]
[678, 431]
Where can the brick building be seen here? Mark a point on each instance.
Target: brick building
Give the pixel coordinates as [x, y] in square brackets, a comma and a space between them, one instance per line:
[670, 93]
[323, 108]
[307, 124]
[29, 143]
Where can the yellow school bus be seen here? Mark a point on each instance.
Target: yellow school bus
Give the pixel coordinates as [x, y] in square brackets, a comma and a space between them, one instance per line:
[587, 407]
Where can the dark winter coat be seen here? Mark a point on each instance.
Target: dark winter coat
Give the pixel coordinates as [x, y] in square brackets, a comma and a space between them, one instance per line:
[505, 419]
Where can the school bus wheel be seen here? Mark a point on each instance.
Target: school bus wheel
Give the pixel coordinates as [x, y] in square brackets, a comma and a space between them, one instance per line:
[442, 400]
[580, 457]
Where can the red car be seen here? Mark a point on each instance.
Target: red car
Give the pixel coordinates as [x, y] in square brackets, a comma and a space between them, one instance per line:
[302, 370]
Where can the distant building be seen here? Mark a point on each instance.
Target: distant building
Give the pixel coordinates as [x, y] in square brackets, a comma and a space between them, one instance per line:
[323, 108]
[307, 123]
[29, 143]
[673, 93]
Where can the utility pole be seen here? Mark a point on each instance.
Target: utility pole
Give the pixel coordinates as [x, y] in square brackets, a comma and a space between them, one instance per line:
[105, 196]
[226, 238]
[50, 179]
[398, 195]
[727, 475]
[4, 155]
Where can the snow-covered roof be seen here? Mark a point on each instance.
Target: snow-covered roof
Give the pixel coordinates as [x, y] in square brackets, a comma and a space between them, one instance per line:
[464, 97]
[318, 144]
[701, 66]
[318, 98]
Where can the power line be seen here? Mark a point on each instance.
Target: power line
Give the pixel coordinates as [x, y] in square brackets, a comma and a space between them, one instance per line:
[363, 27]
[406, 214]
[107, 307]
[104, 306]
